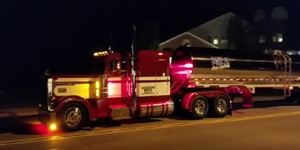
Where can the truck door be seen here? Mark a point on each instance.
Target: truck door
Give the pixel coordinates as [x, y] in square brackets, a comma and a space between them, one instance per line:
[162, 84]
[153, 77]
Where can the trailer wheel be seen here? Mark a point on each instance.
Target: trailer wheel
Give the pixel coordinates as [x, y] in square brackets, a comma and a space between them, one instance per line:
[199, 107]
[220, 106]
[72, 117]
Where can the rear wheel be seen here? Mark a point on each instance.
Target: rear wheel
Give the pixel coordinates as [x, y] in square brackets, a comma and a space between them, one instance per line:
[220, 106]
[199, 107]
[72, 117]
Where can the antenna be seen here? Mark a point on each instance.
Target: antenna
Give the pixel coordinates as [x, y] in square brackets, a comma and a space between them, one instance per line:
[133, 41]
[133, 73]
[110, 48]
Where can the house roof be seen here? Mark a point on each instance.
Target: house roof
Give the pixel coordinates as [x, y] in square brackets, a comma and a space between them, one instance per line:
[217, 27]
[192, 35]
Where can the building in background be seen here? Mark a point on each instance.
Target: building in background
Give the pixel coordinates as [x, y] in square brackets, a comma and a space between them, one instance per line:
[271, 28]
[230, 31]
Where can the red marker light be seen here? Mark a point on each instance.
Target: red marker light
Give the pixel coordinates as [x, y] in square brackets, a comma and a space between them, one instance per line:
[188, 65]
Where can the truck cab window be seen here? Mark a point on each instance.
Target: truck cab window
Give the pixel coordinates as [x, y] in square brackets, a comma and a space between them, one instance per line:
[118, 66]
[123, 66]
[113, 65]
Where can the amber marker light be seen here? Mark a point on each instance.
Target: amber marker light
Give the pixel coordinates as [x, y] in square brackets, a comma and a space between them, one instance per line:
[53, 127]
[97, 88]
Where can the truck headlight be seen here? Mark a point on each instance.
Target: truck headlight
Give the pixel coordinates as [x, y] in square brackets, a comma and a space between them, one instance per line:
[50, 87]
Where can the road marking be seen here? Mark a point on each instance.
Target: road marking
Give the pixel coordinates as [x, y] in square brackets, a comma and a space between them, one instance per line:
[142, 128]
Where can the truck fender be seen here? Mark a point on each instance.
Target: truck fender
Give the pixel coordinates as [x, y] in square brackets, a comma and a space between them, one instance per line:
[245, 92]
[186, 101]
[77, 99]
[188, 98]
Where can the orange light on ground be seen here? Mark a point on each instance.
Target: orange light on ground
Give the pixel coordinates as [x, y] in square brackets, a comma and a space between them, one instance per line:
[38, 128]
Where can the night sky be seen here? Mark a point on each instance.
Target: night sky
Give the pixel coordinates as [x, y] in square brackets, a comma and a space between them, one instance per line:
[61, 35]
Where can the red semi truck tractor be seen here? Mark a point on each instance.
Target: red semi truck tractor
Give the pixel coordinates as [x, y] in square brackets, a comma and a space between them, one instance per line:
[199, 81]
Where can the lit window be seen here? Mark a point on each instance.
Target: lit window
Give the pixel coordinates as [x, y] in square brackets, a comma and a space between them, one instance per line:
[278, 38]
[262, 39]
[216, 41]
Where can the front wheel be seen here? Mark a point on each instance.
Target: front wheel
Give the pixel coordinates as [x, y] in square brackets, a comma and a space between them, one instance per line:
[72, 117]
[199, 107]
[220, 106]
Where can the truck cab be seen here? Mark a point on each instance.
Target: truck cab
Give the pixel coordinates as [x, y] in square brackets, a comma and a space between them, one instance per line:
[118, 93]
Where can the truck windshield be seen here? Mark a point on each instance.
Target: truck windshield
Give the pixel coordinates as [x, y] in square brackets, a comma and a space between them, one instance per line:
[118, 65]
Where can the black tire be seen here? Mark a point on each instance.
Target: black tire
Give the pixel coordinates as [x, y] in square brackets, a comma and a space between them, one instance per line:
[199, 107]
[220, 106]
[72, 117]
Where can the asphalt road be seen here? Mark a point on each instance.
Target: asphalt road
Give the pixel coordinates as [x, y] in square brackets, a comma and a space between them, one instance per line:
[274, 126]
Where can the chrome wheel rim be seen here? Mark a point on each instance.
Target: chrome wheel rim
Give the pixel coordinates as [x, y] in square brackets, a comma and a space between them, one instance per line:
[73, 117]
[200, 107]
[221, 105]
